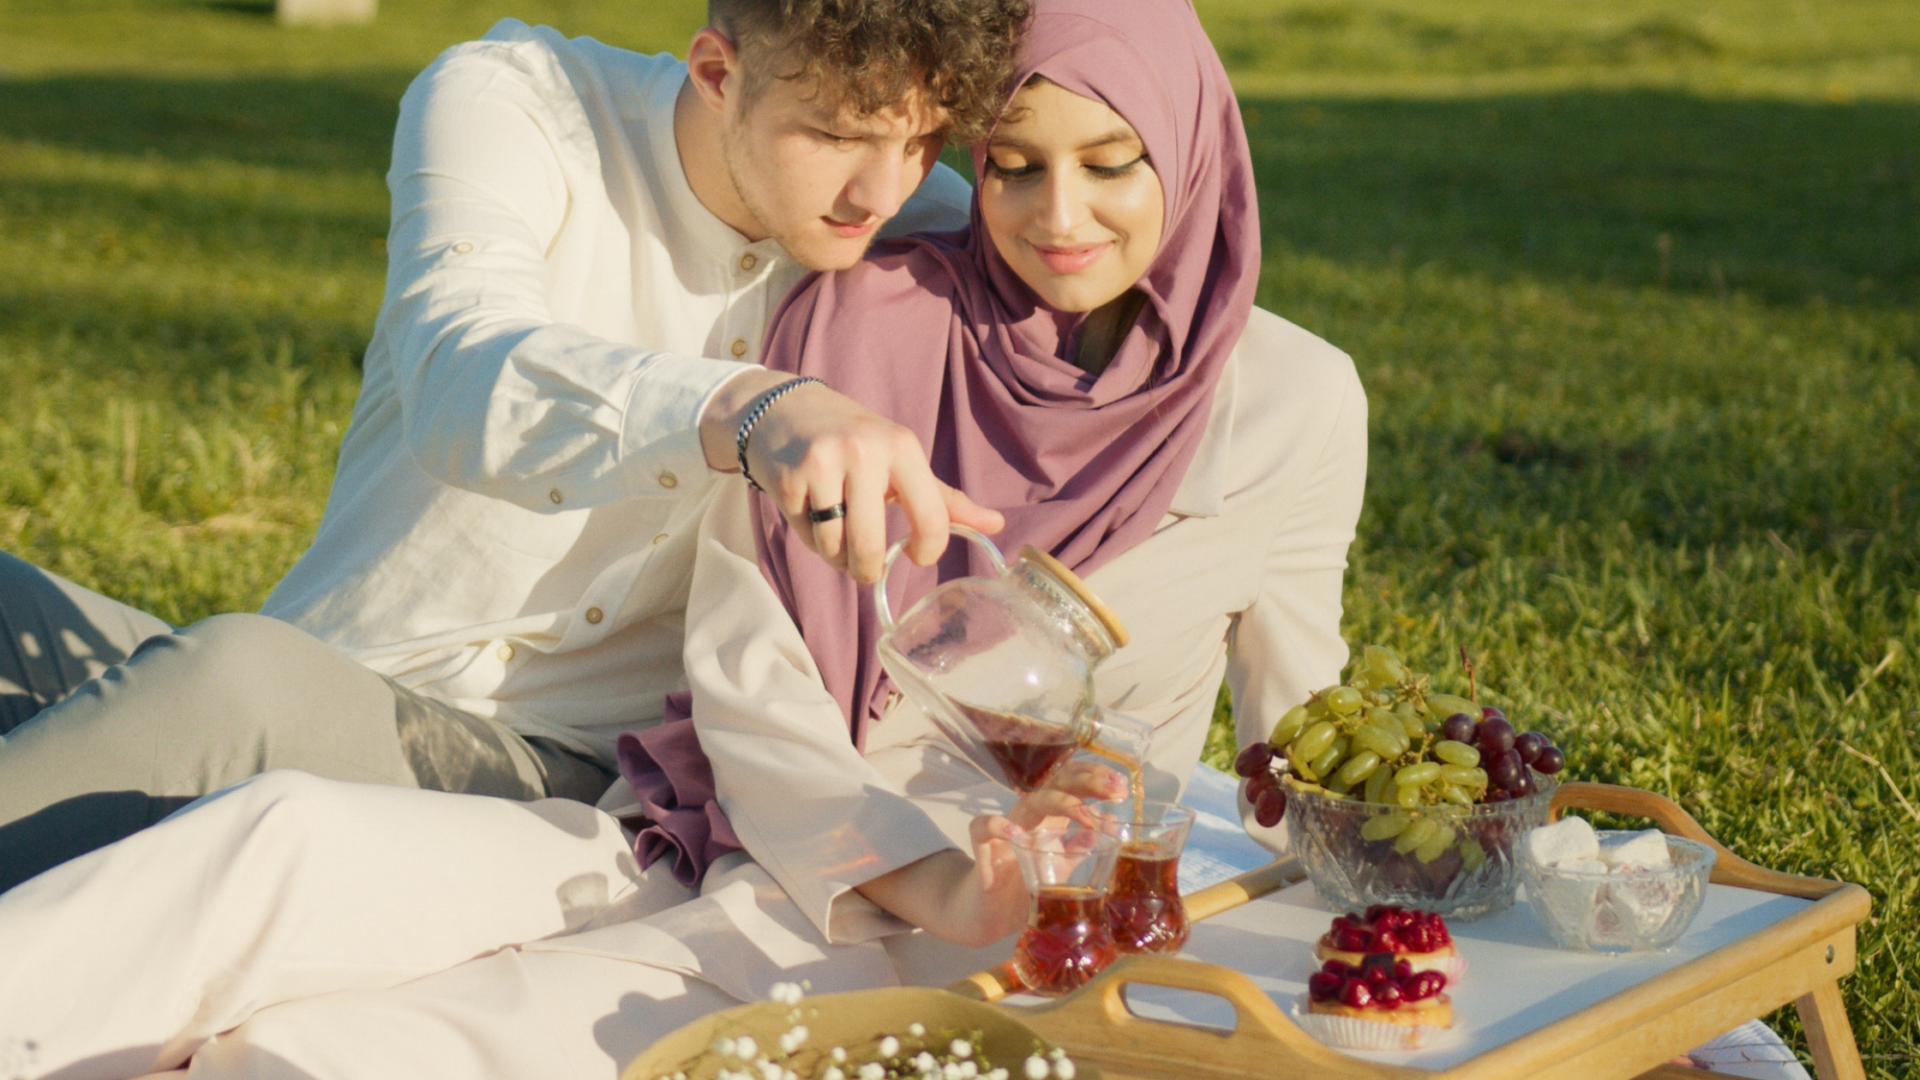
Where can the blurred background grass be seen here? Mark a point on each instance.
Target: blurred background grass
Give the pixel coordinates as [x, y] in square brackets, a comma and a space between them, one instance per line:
[1634, 288]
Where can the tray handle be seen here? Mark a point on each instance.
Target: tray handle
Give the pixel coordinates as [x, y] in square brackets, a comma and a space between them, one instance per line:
[1728, 869]
[1094, 1021]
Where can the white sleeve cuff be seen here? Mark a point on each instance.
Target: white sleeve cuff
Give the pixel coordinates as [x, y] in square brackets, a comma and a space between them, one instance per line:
[660, 443]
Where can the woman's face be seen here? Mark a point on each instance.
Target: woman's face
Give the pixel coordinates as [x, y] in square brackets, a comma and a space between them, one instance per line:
[1070, 199]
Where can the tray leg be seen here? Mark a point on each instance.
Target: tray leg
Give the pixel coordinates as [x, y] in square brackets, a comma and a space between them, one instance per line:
[1830, 1034]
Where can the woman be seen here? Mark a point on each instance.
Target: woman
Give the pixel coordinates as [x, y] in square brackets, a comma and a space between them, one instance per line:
[1087, 359]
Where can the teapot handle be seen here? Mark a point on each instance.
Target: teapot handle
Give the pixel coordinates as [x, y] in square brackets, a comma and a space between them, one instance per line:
[880, 604]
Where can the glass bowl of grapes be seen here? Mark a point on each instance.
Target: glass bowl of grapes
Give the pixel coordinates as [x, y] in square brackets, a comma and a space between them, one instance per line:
[1395, 794]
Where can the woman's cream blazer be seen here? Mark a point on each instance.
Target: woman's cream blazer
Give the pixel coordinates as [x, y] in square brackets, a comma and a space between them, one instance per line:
[1241, 581]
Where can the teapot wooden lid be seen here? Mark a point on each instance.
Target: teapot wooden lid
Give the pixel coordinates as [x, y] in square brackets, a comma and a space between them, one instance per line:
[1115, 628]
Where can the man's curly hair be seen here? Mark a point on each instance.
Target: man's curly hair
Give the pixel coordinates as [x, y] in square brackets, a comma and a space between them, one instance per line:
[870, 55]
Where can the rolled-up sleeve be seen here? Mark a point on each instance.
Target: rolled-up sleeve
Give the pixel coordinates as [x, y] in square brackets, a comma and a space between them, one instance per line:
[1287, 644]
[496, 396]
[805, 803]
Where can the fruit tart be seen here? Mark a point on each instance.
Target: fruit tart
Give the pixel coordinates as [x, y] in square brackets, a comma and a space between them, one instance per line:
[1381, 1003]
[1418, 937]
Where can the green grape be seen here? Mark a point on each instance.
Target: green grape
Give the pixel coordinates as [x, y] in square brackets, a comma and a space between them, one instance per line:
[1445, 705]
[1334, 785]
[1406, 797]
[1358, 768]
[1472, 855]
[1313, 742]
[1384, 667]
[1325, 762]
[1432, 848]
[1456, 753]
[1376, 790]
[1462, 776]
[1419, 775]
[1345, 700]
[1317, 708]
[1455, 795]
[1416, 834]
[1410, 709]
[1478, 781]
[1384, 826]
[1385, 742]
[1414, 727]
[1291, 723]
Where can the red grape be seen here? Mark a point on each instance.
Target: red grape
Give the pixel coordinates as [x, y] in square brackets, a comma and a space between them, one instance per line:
[1530, 745]
[1495, 735]
[1550, 761]
[1270, 807]
[1490, 713]
[1253, 760]
[1458, 727]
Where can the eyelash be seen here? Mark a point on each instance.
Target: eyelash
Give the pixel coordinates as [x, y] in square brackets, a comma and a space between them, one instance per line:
[1100, 172]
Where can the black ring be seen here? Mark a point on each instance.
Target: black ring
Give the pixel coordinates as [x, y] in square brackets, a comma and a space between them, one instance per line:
[832, 513]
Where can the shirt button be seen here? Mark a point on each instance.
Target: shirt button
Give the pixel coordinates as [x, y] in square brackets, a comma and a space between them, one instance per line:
[594, 615]
[739, 347]
[504, 652]
[748, 262]
[556, 496]
[661, 539]
[668, 480]
[462, 248]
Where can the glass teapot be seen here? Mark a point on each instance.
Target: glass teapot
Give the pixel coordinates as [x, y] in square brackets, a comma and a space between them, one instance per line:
[1003, 663]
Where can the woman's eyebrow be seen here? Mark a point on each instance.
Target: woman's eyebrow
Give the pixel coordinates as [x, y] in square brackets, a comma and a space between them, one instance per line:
[1117, 135]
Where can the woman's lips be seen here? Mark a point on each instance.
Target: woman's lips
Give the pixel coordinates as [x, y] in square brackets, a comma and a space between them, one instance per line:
[1070, 260]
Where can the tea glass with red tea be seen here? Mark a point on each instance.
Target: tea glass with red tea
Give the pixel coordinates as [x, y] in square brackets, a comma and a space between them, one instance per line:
[1067, 868]
[1144, 910]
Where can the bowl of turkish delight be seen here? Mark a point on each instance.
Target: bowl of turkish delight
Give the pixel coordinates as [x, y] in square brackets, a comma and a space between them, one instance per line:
[1613, 890]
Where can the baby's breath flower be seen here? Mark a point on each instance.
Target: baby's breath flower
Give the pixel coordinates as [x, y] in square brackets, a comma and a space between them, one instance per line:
[833, 1072]
[924, 1062]
[996, 1074]
[1036, 1068]
[951, 1071]
[873, 1070]
[916, 1029]
[723, 1046]
[792, 1039]
[838, 1054]
[786, 993]
[960, 1048]
[968, 1070]
[768, 1070]
[1056, 1053]
[889, 1047]
[1063, 1069]
[745, 1048]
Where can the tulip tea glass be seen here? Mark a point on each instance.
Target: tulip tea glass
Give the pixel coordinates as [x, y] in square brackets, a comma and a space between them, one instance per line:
[1144, 910]
[1067, 869]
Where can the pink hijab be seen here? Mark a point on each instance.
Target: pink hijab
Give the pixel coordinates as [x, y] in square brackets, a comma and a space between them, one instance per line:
[938, 333]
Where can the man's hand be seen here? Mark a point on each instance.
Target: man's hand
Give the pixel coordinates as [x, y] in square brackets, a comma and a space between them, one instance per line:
[978, 901]
[816, 448]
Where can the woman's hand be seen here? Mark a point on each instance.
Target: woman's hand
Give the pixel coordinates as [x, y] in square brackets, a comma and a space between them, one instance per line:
[977, 901]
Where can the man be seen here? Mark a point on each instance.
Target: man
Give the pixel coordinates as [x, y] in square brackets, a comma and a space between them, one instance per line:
[495, 590]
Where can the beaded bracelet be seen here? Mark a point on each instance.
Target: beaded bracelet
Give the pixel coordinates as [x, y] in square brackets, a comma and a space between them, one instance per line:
[757, 410]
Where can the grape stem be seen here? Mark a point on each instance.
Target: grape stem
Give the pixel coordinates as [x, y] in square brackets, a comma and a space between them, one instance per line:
[1473, 689]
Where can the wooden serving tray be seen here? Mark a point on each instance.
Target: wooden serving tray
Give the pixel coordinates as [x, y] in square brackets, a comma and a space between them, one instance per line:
[1798, 959]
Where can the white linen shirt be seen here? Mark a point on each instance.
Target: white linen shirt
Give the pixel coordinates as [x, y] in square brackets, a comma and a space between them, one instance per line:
[511, 526]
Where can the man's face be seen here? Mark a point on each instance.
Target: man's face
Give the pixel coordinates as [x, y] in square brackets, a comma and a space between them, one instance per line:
[820, 179]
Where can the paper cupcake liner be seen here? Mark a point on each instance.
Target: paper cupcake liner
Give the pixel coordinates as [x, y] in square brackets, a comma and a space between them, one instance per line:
[1353, 1033]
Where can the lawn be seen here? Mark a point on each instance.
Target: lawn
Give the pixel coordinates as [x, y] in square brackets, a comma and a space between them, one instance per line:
[1634, 289]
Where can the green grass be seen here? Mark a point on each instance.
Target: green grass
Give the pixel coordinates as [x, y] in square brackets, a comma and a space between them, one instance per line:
[1634, 288]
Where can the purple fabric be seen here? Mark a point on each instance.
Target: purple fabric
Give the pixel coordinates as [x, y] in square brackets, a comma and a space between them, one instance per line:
[674, 781]
[937, 333]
